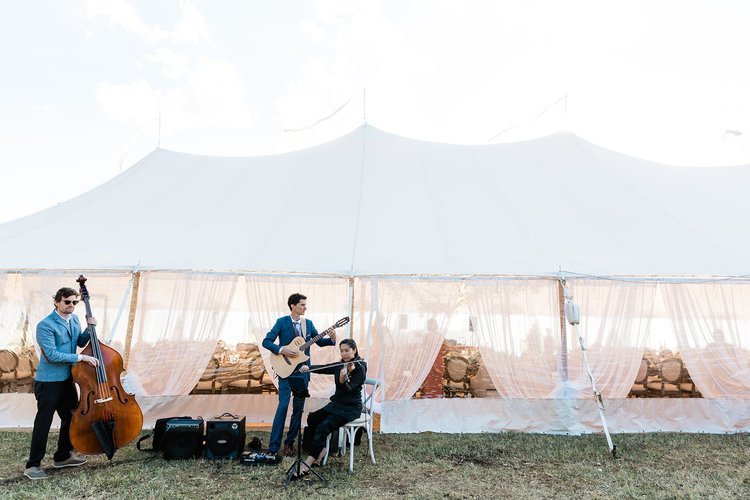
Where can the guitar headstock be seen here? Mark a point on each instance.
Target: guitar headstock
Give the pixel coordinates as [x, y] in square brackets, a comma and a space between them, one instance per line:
[341, 322]
[82, 284]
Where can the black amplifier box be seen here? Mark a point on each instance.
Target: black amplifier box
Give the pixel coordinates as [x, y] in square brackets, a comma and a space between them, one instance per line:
[225, 437]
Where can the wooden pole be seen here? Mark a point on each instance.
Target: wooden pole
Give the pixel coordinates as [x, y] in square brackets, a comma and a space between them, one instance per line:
[131, 318]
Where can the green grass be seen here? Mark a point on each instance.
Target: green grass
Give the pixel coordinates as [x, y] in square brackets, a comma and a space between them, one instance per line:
[425, 465]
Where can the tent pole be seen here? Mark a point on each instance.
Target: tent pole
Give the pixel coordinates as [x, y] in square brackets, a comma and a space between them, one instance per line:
[573, 315]
[131, 318]
[563, 333]
[351, 307]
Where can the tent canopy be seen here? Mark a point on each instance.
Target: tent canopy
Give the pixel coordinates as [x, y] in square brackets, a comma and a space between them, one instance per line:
[372, 202]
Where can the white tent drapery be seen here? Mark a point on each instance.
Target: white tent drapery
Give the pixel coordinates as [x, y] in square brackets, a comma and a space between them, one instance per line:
[377, 206]
[406, 320]
[176, 332]
[712, 325]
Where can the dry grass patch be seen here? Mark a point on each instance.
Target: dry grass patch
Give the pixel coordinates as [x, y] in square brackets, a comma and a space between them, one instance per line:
[428, 465]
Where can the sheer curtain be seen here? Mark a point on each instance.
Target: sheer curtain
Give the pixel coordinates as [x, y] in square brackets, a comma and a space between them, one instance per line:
[35, 291]
[105, 291]
[180, 317]
[400, 324]
[615, 321]
[14, 332]
[517, 327]
[327, 302]
[712, 325]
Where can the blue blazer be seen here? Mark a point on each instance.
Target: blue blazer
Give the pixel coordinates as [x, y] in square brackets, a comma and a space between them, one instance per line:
[58, 346]
[284, 331]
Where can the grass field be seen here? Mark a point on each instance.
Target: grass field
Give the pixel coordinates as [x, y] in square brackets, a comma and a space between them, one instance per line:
[426, 465]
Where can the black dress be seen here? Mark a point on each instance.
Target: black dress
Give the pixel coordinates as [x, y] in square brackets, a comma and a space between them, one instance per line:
[346, 402]
[345, 406]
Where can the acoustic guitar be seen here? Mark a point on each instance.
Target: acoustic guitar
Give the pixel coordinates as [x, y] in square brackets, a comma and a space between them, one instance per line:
[283, 366]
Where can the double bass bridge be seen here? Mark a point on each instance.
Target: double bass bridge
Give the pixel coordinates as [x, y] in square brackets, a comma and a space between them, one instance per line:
[103, 400]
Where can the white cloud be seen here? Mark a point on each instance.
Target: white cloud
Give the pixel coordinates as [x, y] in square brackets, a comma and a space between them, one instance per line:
[172, 64]
[47, 108]
[136, 102]
[208, 95]
[464, 71]
[201, 94]
[352, 47]
[191, 28]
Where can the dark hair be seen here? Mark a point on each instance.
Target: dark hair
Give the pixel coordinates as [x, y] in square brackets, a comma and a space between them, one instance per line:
[64, 292]
[294, 299]
[351, 343]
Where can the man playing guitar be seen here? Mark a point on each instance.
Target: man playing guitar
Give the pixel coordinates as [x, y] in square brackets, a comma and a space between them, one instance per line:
[286, 329]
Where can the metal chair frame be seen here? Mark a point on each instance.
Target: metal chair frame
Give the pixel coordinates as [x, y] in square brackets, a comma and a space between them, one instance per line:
[364, 421]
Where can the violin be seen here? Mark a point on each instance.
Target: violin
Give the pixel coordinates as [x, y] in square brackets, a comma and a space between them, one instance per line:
[106, 418]
[346, 369]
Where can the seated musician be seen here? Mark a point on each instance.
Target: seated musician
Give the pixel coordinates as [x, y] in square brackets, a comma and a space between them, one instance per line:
[345, 405]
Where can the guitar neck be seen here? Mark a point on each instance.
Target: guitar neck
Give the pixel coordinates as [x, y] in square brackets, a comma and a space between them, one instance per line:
[310, 342]
[319, 336]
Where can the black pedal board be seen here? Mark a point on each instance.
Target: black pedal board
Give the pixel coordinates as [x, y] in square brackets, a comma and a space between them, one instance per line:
[257, 457]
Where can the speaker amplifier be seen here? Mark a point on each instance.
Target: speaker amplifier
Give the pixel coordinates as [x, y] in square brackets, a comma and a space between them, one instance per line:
[225, 437]
[183, 438]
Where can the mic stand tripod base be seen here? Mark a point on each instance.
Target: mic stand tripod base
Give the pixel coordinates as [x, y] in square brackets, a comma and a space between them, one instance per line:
[296, 467]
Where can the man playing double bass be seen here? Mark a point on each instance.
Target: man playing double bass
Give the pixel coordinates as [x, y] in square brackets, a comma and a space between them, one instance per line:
[57, 336]
[286, 329]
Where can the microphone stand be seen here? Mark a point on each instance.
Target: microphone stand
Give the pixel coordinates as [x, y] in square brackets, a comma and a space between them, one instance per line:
[295, 470]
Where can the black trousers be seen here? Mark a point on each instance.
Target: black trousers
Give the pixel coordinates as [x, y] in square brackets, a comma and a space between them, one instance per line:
[320, 424]
[51, 397]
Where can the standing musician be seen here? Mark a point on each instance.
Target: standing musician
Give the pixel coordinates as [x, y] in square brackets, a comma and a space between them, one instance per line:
[286, 329]
[57, 336]
[345, 405]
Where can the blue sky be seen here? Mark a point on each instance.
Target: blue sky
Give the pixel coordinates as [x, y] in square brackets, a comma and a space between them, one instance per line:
[85, 82]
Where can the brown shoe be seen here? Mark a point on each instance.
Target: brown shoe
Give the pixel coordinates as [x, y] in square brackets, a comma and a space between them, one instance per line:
[289, 450]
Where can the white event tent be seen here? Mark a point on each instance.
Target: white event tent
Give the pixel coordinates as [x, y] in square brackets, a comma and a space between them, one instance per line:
[411, 239]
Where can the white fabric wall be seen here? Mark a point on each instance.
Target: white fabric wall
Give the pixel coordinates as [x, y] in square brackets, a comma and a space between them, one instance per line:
[13, 330]
[518, 327]
[402, 323]
[18, 410]
[518, 330]
[712, 324]
[566, 416]
[179, 319]
[554, 416]
[615, 322]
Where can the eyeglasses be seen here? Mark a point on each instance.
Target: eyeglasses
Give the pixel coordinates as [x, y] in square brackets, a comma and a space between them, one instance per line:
[68, 302]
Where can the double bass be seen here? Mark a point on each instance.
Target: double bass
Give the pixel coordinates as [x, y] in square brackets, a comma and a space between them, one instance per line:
[106, 418]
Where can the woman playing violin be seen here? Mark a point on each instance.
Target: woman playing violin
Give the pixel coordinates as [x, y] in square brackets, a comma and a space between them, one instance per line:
[346, 402]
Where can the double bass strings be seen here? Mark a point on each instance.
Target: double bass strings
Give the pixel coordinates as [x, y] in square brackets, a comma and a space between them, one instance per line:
[101, 374]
